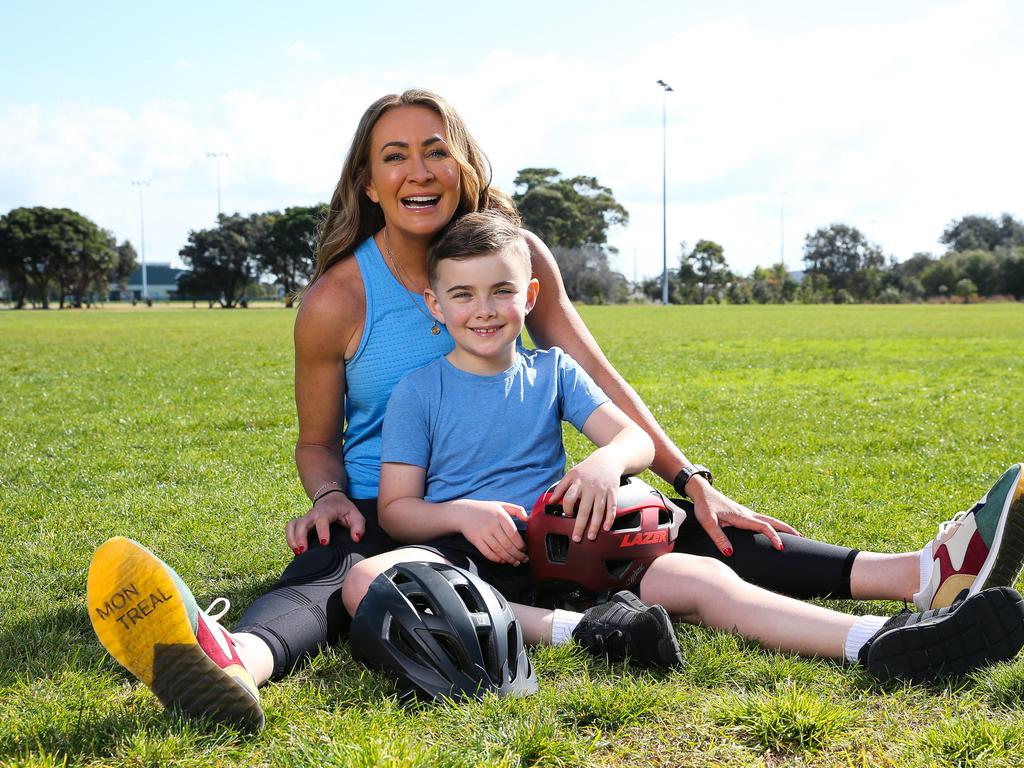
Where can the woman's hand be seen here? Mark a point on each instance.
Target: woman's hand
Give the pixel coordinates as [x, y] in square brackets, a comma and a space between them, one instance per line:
[714, 510]
[489, 527]
[588, 492]
[334, 507]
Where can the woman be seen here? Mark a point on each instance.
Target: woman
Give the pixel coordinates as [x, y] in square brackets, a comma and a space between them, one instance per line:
[362, 325]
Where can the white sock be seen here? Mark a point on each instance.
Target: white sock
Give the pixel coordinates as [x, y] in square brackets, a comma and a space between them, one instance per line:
[562, 625]
[927, 563]
[861, 631]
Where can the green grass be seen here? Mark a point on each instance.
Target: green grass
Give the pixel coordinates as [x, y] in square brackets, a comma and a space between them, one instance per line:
[862, 425]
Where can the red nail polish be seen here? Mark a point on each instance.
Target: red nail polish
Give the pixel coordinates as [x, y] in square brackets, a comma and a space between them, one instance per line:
[323, 542]
[781, 546]
[295, 551]
[728, 551]
[301, 550]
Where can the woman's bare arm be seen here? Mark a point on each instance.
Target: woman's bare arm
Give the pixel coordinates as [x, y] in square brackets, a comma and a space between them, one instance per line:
[328, 321]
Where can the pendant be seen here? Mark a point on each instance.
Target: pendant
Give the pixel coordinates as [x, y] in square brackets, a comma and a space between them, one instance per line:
[435, 330]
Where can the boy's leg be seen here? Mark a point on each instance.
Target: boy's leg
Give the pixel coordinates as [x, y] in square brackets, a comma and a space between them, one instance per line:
[701, 590]
[986, 628]
[622, 628]
[365, 571]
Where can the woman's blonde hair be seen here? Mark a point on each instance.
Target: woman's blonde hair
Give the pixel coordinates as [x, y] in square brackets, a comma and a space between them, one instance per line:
[353, 217]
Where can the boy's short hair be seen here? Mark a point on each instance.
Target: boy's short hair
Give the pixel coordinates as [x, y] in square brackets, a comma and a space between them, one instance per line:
[477, 234]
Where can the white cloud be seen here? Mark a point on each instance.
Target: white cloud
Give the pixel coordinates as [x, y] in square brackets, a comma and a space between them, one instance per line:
[894, 128]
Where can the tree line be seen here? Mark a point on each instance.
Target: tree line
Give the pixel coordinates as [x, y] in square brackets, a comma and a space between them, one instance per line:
[984, 258]
[56, 252]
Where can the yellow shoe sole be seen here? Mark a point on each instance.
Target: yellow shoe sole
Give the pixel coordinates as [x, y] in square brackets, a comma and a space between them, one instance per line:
[140, 615]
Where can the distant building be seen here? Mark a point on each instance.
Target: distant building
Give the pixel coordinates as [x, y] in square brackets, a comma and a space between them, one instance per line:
[161, 281]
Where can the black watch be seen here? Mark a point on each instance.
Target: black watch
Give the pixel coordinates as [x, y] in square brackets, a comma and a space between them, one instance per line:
[686, 473]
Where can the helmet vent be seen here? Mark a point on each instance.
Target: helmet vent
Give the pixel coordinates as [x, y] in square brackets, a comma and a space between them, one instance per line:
[422, 604]
[402, 641]
[513, 657]
[487, 645]
[664, 516]
[557, 547]
[451, 650]
[468, 598]
[627, 521]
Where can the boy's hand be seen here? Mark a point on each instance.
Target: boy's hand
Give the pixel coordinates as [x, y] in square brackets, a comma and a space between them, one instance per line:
[488, 526]
[588, 491]
[332, 508]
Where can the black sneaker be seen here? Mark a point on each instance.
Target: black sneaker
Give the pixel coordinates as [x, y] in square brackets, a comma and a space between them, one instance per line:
[626, 626]
[982, 629]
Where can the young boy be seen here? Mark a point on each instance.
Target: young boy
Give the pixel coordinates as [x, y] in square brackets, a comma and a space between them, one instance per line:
[472, 439]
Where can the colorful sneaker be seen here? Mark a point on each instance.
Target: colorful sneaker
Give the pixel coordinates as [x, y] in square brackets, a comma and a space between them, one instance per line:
[627, 626]
[982, 629]
[980, 548]
[148, 620]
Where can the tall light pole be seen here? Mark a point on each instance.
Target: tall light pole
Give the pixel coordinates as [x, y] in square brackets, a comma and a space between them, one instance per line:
[140, 183]
[217, 156]
[782, 227]
[664, 187]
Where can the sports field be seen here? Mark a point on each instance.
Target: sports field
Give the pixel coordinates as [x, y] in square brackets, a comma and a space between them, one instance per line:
[865, 425]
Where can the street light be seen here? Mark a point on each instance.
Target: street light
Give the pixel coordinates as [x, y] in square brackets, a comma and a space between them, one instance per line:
[782, 228]
[217, 156]
[664, 176]
[140, 183]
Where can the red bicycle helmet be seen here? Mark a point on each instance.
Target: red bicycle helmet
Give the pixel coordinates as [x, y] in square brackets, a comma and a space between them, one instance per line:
[645, 528]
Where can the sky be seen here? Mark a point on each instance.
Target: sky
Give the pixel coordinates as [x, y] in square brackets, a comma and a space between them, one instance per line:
[784, 117]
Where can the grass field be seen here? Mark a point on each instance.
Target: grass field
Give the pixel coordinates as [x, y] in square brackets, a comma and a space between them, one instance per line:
[862, 425]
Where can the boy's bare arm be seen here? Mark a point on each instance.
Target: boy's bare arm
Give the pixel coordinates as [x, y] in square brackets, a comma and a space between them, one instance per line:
[487, 525]
[589, 488]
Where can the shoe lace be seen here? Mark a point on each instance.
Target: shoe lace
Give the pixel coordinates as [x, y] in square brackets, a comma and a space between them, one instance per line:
[953, 522]
[613, 641]
[223, 606]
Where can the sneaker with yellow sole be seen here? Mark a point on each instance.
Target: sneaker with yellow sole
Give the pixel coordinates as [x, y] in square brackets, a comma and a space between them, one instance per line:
[149, 621]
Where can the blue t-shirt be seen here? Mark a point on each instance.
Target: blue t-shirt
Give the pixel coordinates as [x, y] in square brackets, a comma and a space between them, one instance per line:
[489, 437]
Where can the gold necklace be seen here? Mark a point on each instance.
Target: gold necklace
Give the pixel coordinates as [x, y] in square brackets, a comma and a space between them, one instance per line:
[434, 329]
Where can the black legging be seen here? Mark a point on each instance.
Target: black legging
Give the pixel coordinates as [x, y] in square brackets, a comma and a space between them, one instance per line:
[303, 611]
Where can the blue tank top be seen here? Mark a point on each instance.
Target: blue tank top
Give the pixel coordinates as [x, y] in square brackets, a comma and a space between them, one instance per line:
[396, 339]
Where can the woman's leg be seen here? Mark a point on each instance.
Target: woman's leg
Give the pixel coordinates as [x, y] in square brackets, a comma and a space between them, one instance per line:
[805, 568]
[980, 548]
[303, 611]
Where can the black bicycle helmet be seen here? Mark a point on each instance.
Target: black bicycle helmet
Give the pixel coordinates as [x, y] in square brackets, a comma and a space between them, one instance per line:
[443, 632]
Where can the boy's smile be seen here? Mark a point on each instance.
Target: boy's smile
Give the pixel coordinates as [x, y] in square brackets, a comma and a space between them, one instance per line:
[483, 301]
